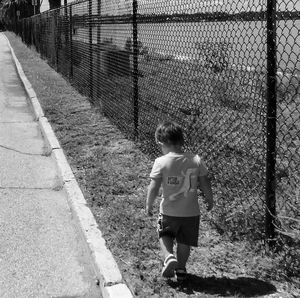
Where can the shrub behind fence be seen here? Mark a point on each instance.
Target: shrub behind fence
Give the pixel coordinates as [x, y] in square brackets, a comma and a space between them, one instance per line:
[228, 73]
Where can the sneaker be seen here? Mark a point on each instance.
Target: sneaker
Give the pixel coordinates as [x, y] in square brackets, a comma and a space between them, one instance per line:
[170, 264]
[181, 274]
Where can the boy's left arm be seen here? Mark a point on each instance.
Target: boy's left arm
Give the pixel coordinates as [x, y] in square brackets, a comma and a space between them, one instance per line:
[153, 190]
[205, 186]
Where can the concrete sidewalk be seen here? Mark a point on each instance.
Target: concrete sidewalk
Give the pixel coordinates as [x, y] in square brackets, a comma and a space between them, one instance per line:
[42, 252]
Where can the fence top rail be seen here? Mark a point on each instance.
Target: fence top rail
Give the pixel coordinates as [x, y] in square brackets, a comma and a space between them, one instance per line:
[182, 18]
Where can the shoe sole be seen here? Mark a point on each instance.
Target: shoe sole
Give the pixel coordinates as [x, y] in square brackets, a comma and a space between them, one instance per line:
[182, 278]
[180, 275]
[169, 270]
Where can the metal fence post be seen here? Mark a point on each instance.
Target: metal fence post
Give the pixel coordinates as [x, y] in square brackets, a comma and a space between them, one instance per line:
[71, 41]
[65, 24]
[90, 7]
[271, 123]
[98, 45]
[31, 33]
[39, 34]
[56, 36]
[135, 68]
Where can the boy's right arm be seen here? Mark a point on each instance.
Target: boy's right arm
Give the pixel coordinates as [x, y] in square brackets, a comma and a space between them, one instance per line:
[205, 186]
[153, 190]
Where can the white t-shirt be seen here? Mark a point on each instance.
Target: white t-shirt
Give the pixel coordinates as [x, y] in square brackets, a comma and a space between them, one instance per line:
[179, 173]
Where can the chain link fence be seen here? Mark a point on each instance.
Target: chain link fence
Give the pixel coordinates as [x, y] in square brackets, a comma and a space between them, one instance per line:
[227, 71]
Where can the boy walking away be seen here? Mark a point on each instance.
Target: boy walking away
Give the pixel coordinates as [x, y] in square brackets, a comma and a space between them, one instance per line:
[179, 173]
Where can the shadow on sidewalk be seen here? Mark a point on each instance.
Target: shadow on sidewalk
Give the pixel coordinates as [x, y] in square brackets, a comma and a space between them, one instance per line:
[241, 286]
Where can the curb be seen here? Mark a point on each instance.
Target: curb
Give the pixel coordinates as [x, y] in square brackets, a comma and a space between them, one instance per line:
[106, 268]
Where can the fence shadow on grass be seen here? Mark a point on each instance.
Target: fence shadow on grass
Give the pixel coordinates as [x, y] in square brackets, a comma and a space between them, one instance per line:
[225, 287]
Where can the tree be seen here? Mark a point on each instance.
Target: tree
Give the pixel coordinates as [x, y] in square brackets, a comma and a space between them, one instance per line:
[54, 4]
[9, 8]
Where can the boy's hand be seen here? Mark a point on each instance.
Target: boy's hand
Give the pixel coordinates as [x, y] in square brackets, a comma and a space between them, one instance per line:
[149, 211]
[210, 205]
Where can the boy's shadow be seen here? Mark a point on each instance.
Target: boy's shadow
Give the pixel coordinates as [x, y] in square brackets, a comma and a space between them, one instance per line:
[223, 286]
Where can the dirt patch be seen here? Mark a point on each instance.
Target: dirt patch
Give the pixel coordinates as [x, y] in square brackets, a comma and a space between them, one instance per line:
[113, 175]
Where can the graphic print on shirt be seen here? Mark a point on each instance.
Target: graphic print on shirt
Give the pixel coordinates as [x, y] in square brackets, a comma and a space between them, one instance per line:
[189, 184]
[174, 180]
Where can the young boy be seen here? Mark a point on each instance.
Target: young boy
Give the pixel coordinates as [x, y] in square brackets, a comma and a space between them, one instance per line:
[179, 174]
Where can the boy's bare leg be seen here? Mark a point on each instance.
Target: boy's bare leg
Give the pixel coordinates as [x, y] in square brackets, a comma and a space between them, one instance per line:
[170, 262]
[166, 244]
[183, 253]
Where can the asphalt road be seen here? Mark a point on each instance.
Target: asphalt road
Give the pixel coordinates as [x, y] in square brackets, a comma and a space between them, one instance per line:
[41, 251]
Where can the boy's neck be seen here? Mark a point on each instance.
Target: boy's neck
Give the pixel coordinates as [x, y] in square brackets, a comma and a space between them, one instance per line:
[173, 149]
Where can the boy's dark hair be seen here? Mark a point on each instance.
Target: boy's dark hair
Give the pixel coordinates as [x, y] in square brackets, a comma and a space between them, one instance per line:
[169, 133]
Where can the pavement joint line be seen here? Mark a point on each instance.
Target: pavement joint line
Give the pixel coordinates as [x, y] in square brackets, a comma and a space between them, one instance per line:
[110, 278]
[16, 122]
[21, 152]
[26, 188]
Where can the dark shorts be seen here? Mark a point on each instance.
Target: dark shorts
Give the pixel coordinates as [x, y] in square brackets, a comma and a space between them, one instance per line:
[184, 229]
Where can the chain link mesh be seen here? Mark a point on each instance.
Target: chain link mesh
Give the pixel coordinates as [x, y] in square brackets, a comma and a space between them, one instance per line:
[202, 64]
[288, 120]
